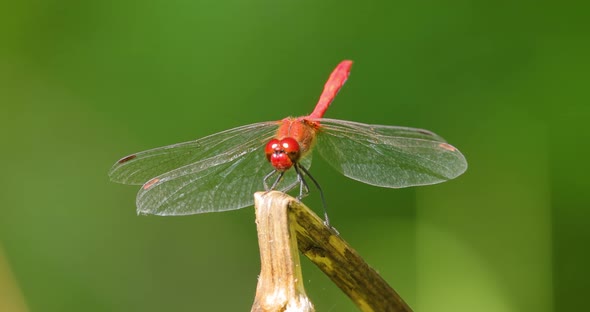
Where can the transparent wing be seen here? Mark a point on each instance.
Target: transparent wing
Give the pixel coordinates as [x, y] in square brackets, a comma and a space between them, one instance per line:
[139, 168]
[216, 173]
[215, 184]
[388, 156]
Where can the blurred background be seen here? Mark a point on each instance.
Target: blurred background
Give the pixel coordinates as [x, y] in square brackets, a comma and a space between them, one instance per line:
[84, 83]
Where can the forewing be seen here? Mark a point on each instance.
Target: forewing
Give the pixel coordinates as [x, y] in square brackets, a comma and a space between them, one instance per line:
[140, 167]
[216, 184]
[388, 156]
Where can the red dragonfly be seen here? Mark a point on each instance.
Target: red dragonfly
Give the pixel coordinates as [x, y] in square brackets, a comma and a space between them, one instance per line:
[222, 171]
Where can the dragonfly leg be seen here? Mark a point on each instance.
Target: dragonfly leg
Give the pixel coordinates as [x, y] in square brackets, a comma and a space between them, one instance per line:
[303, 187]
[279, 178]
[317, 185]
[292, 186]
[276, 182]
[265, 180]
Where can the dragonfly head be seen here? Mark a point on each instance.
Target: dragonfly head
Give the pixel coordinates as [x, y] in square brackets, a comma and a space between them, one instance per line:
[282, 154]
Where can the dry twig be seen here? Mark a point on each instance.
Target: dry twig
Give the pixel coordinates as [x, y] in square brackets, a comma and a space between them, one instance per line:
[280, 218]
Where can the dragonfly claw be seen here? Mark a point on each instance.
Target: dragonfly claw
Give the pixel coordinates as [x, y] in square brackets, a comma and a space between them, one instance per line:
[331, 228]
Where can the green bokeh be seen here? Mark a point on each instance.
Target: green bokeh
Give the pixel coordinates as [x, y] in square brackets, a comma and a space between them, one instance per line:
[85, 83]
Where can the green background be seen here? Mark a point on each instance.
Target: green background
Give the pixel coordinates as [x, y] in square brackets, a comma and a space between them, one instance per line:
[83, 83]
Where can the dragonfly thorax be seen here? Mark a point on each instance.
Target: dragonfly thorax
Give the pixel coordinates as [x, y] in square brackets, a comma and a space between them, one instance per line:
[282, 154]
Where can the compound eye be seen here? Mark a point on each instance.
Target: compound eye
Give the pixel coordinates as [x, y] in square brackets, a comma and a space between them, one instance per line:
[271, 147]
[290, 146]
[282, 154]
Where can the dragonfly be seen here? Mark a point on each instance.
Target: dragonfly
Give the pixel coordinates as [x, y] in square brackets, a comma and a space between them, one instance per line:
[222, 171]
